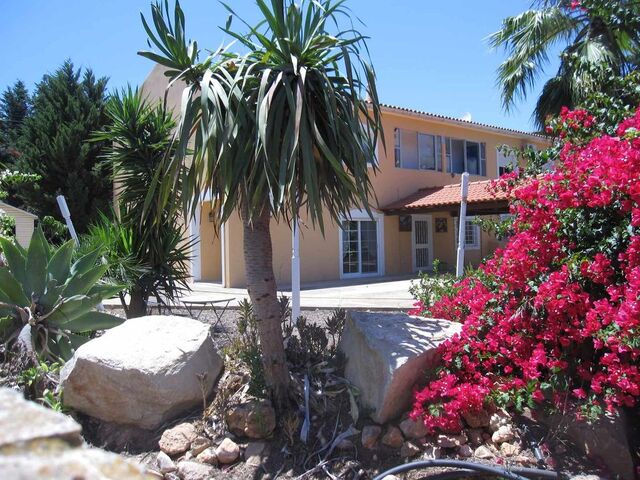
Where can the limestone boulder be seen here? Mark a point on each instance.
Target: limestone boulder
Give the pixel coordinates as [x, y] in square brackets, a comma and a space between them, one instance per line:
[387, 354]
[144, 372]
[605, 440]
[36, 442]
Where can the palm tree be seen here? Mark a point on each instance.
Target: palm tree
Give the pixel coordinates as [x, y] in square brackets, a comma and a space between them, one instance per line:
[146, 247]
[598, 37]
[281, 129]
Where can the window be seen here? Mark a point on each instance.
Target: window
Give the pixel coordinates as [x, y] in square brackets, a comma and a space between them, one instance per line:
[466, 156]
[417, 151]
[471, 234]
[506, 161]
[361, 246]
[373, 161]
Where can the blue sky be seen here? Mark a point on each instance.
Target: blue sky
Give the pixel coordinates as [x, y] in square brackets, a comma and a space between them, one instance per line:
[429, 55]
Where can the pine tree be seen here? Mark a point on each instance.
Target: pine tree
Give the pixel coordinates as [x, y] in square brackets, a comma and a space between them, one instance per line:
[15, 106]
[68, 106]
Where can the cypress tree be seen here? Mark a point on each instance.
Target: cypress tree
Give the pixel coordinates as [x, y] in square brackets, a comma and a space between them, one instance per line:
[68, 106]
[15, 106]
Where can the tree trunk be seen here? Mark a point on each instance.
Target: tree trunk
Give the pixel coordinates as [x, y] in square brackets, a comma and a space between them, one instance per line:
[261, 285]
[137, 303]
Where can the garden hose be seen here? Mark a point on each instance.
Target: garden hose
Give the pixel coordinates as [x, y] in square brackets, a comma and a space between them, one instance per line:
[470, 469]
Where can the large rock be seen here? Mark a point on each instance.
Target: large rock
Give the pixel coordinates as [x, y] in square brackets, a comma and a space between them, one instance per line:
[387, 354]
[27, 422]
[604, 440]
[144, 372]
[38, 443]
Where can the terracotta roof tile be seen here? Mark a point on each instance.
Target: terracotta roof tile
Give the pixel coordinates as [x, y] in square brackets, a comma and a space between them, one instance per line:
[448, 195]
[461, 121]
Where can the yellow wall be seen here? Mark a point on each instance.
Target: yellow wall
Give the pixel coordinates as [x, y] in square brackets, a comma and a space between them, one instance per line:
[210, 253]
[320, 255]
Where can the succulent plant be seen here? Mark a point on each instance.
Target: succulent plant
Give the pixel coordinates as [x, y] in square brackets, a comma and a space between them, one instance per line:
[48, 301]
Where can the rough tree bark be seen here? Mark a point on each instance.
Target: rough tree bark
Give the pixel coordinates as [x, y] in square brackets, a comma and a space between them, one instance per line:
[261, 285]
[137, 303]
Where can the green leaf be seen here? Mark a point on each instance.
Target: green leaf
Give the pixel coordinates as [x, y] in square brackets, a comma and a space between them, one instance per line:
[12, 289]
[36, 265]
[71, 308]
[16, 259]
[80, 284]
[92, 321]
[85, 262]
[59, 266]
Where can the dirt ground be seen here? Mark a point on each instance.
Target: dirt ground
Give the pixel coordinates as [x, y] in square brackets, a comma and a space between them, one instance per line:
[285, 456]
[287, 459]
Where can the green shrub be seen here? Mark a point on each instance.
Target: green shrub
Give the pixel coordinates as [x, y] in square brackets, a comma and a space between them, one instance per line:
[430, 287]
[47, 302]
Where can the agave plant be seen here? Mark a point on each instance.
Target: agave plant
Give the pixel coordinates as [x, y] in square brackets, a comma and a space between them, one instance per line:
[48, 301]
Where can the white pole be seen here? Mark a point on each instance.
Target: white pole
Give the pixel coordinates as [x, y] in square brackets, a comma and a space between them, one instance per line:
[295, 271]
[64, 209]
[464, 191]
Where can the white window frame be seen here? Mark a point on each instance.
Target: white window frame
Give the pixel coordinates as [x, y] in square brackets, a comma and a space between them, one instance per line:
[482, 146]
[504, 161]
[429, 219]
[437, 150]
[476, 228]
[362, 215]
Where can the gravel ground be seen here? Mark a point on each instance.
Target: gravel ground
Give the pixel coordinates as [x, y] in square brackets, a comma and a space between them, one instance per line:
[225, 326]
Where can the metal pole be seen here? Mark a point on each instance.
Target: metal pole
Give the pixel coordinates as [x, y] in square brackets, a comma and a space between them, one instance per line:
[295, 271]
[64, 209]
[464, 191]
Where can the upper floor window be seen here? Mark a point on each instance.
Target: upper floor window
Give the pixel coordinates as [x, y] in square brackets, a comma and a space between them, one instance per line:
[506, 161]
[422, 151]
[418, 151]
[374, 160]
[466, 156]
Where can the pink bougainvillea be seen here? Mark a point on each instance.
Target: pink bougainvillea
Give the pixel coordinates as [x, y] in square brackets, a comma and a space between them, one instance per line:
[554, 315]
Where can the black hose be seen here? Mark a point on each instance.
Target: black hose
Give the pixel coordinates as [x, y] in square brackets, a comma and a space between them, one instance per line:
[470, 468]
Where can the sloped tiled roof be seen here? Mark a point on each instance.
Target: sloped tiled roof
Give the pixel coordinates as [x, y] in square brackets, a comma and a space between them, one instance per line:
[459, 121]
[447, 196]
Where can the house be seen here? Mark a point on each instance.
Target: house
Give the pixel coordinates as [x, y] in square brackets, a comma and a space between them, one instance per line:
[25, 222]
[414, 217]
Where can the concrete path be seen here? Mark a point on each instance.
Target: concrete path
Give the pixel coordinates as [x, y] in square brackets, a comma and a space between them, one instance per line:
[373, 294]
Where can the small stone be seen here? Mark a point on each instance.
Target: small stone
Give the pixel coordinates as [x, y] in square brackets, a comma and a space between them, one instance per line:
[393, 437]
[253, 452]
[208, 455]
[177, 440]
[477, 419]
[228, 451]
[165, 464]
[409, 449]
[391, 477]
[413, 429]
[483, 453]
[475, 437]
[504, 434]
[465, 451]
[171, 476]
[345, 444]
[586, 477]
[451, 441]
[370, 435]
[199, 444]
[509, 449]
[499, 419]
[525, 460]
[188, 470]
[253, 419]
[432, 452]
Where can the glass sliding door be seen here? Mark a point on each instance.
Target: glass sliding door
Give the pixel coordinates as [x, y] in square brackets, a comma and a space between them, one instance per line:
[359, 247]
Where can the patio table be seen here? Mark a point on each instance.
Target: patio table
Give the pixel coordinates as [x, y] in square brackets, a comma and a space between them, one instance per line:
[195, 306]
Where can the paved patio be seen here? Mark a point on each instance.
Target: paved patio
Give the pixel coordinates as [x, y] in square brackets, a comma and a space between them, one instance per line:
[388, 293]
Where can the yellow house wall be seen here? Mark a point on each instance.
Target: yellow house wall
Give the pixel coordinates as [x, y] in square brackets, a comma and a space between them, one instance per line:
[210, 253]
[320, 255]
